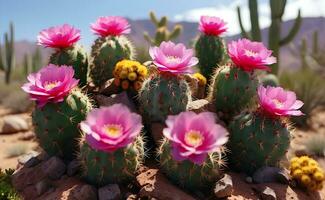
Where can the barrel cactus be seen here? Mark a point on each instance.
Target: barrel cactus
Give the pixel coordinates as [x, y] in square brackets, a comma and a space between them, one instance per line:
[262, 138]
[60, 108]
[110, 48]
[210, 47]
[191, 153]
[111, 149]
[63, 39]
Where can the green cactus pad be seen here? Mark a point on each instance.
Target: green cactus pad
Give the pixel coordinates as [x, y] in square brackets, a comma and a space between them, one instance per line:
[256, 141]
[211, 53]
[163, 95]
[102, 168]
[56, 124]
[106, 52]
[75, 57]
[187, 174]
[233, 90]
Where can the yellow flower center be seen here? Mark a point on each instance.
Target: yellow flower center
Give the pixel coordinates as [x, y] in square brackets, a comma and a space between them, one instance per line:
[250, 53]
[51, 84]
[277, 103]
[113, 130]
[194, 138]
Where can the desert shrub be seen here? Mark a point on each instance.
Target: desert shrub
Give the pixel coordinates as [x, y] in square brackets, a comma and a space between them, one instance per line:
[316, 145]
[7, 192]
[309, 87]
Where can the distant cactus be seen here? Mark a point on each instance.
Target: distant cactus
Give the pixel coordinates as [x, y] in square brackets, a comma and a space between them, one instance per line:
[26, 65]
[36, 61]
[275, 41]
[7, 64]
[162, 32]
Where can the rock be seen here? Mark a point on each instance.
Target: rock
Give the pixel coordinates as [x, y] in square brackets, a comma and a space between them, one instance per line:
[156, 131]
[13, 124]
[122, 97]
[26, 157]
[131, 197]
[32, 162]
[109, 192]
[267, 194]
[283, 176]
[84, 192]
[224, 187]
[27, 136]
[54, 168]
[249, 179]
[198, 105]
[42, 187]
[73, 167]
[153, 184]
[266, 174]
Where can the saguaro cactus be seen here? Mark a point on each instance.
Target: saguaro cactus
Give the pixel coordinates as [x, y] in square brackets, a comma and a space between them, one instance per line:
[275, 41]
[162, 32]
[6, 65]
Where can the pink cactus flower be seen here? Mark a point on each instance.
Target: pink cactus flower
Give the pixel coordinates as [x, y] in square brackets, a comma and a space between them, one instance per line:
[111, 128]
[278, 102]
[173, 58]
[50, 84]
[59, 36]
[250, 55]
[111, 26]
[212, 25]
[193, 136]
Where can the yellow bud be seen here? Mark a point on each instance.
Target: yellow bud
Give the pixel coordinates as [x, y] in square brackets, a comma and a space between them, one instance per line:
[294, 159]
[319, 186]
[312, 186]
[132, 76]
[142, 70]
[117, 82]
[123, 74]
[318, 176]
[305, 179]
[294, 166]
[125, 84]
[306, 170]
[137, 85]
[202, 80]
[297, 173]
[304, 160]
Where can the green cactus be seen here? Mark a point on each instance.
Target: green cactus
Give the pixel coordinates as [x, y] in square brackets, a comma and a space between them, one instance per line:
[26, 65]
[163, 95]
[256, 141]
[269, 80]
[232, 90]
[106, 52]
[76, 57]
[102, 168]
[56, 124]
[7, 65]
[36, 60]
[187, 174]
[211, 52]
[162, 32]
[275, 41]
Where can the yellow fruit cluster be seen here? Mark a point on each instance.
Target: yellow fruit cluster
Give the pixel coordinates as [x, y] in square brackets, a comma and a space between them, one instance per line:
[307, 172]
[202, 80]
[129, 74]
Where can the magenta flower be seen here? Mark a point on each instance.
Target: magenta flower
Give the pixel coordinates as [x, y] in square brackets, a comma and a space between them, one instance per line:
[174, 58]
[193, 136]
[250, 55]
[212, 25]
[50, 84]
[278, 102]
[59, 36]
[111, 26]
[110, 128]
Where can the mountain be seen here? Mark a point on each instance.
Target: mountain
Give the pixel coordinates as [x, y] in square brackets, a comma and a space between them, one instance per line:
[309, 25]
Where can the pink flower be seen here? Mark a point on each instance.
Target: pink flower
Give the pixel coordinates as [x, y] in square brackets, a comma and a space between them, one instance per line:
[174, 58]
[212, 25]
[250, 55]
[110, 128]
[278, 102]
[59, 36]
[111, 26]
[51, 84]
[193, 136]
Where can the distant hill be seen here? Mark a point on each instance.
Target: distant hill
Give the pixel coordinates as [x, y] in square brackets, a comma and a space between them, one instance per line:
[309, 25]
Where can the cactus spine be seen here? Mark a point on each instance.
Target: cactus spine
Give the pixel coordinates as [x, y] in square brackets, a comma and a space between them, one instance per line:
[102, 168]
[275, 41]
[256, 141]
[56, 124]
[7, 65]
[162, 32]
[76, 57]
[163, 95]
[187, 174]
[106, 53]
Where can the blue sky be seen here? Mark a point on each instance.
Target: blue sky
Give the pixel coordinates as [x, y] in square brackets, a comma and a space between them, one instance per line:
[30, 16]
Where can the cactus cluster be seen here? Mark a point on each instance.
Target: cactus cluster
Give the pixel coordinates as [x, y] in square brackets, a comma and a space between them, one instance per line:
[7, 64]
[307, 172]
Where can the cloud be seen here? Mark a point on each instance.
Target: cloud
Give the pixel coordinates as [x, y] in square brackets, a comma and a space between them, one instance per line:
[309, 8]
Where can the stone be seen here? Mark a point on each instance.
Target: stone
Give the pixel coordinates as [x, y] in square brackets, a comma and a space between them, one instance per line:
[54, 168]
[266, 174]
[198, 105]
[73, 167]
[154, 185]
[29, 135]
[249, 179]
[84, 192]
[109, 192]
[13, 124]
[268, 194]
[224, 187]
[283, 176]
[42, 186]
[26, 157]
[32, 162]
[122, 97]
[131, 197]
